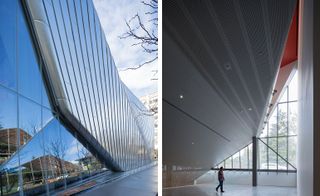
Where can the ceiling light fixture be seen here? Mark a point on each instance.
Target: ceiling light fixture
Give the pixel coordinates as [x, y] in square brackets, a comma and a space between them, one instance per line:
[227, 66]
[250, 109]
[181, 96]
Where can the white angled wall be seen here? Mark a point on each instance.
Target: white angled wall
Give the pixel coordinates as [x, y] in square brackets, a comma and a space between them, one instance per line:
[305, 130]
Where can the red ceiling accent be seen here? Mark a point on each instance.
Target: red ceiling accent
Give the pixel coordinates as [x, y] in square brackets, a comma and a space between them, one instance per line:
[291, 49]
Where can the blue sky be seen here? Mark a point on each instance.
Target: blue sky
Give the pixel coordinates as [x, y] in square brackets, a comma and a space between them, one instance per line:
[112, 15]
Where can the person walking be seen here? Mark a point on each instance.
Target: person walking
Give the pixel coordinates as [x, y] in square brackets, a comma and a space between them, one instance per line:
[221, 179]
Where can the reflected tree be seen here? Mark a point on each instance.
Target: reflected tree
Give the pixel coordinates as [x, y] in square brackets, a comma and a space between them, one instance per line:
[84, 155]
[58, 150]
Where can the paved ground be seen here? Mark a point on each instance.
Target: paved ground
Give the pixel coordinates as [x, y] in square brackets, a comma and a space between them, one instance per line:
[234, 190]
[144, 183]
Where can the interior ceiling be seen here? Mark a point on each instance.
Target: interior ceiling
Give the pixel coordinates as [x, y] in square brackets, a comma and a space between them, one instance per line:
[220, 60]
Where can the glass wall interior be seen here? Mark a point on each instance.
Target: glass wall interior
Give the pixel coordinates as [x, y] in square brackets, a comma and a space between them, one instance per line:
[37, 153]
[278, 139]
[93, 91]
[239, 160]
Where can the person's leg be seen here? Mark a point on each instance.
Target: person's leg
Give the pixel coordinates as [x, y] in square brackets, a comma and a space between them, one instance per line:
[221, 186]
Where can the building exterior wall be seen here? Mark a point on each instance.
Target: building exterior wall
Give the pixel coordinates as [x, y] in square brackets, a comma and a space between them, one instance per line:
[60, 88]
[151, 102]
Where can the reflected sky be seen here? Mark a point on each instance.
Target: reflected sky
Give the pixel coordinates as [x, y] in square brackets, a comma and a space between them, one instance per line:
[41, 145]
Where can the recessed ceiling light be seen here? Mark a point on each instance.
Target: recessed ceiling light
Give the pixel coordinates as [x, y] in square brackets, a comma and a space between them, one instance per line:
[250, 109]
[192, 143]
[181, 96]
[227, 66]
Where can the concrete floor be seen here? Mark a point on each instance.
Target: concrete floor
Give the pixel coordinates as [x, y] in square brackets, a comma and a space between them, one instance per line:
[144, 183]
[234, 190]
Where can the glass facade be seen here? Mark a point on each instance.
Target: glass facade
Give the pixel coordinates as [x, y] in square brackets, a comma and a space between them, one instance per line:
[39, 151]
[277, 142]
[86, 87]
[239, 160]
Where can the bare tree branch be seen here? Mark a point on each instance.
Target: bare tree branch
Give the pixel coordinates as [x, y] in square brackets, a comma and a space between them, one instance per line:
[146, 38]
[146, 62]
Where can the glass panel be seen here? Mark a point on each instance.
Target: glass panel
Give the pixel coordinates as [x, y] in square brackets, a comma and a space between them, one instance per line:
[29, 119]
[10, 177]
[228, 163]
[273, 123]
[292, 150]
[45, 99]
[54, 151]
[284, 97]
[293, 118]
[293, 88]
[250, 156]
[282, 147]
[282, 151]
[282, 164]
[8, 124]
[8, 29]
[70, 154]
[236, 163]
[244, 158]
[272, 155]
[282, 119]
[263, 149]
[31, 158]
[29, 70]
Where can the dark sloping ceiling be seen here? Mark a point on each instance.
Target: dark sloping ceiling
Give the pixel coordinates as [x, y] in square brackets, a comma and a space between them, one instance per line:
[220, 60]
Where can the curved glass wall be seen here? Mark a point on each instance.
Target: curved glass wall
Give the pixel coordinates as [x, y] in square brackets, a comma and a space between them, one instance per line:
[86, 86]
[38, 153]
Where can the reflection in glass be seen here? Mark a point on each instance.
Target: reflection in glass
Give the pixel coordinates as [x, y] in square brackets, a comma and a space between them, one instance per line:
[8, 43]
[8, 124]
[29, 119]
[48, 154]
[30, 82]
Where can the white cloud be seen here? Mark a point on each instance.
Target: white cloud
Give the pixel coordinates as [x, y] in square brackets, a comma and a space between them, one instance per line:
[72, 149]
[112, 15]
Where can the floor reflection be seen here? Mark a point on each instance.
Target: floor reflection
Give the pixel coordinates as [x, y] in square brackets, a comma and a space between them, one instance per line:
[234, 190]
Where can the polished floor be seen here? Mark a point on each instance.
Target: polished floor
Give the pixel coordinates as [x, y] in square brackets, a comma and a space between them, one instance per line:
[144, 183]
[234, 190]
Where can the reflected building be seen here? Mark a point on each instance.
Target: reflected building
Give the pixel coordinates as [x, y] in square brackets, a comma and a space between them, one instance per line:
[9, 140]
[65, 114]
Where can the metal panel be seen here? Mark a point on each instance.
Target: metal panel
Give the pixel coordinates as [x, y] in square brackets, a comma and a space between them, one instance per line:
[86, 89]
